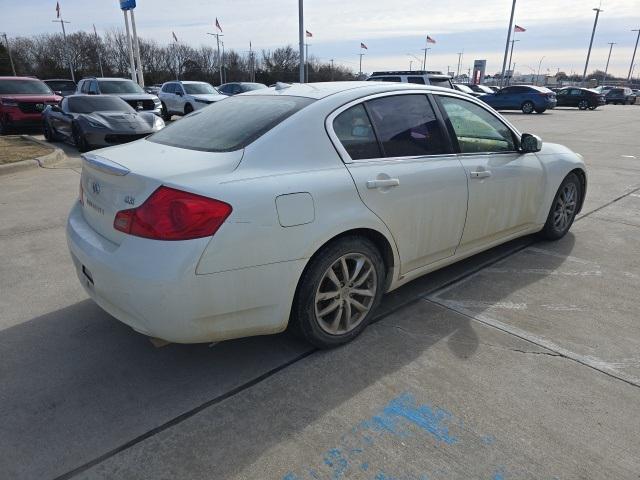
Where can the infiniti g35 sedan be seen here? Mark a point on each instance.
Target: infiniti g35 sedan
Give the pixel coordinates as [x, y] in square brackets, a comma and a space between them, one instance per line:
[91, 121]
[301, 205]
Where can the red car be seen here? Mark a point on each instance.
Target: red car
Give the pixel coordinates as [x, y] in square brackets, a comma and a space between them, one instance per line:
[22, 100]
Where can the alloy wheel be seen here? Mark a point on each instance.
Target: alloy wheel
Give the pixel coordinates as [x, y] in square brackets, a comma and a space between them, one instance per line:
[346, 293]
[565, 207]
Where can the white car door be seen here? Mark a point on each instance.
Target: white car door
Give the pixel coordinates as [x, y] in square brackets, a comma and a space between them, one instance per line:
[505, 185]
[401, 160]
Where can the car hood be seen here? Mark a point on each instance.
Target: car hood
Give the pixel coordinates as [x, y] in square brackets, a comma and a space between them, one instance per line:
[32, 98]
[210, 97]
[135, 96]
[121, 121]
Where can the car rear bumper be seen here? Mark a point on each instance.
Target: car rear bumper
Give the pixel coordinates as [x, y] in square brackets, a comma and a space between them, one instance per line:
[152, 286]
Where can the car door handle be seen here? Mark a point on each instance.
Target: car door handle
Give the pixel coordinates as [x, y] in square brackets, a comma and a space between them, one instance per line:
[481, 174]
[388, 182]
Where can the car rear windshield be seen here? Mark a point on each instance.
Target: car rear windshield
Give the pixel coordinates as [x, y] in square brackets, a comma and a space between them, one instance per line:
[230, 124]
[247, 87]
[119, 86]
[24, 87]
[199, 88]
[440, 82]
[90, 103]
[61, 85]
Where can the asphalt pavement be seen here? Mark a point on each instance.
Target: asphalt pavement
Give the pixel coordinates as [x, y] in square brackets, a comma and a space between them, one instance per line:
[521, 362]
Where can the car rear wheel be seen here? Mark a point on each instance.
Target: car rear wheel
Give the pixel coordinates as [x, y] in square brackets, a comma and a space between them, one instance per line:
[583, 105]
[527, 107]
[166, 116]
[49, 136]
[338, 292]
[563, 209]
[188, 109]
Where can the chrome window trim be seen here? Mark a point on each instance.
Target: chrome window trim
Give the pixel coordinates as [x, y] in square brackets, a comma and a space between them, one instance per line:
[344, 155]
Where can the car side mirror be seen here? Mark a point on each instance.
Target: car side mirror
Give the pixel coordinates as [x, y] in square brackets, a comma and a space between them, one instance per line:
[530, 143]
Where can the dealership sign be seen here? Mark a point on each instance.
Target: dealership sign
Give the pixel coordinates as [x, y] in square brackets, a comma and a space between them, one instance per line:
[127, 4]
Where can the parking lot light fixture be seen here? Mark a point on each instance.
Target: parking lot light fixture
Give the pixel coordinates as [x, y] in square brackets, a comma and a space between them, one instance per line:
[606, 69]
[593, 32]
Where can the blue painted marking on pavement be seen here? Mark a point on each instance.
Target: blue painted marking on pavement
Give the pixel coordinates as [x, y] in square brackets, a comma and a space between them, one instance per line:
[337, 462]
[488, 439]
[498, 475]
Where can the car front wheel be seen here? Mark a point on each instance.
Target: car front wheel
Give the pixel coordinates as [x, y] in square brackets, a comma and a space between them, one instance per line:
[563, 209]
[166, 116]
[338, 292]
[527, 107]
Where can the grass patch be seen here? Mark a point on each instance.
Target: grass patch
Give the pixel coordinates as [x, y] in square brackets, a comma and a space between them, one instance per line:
[14, 148]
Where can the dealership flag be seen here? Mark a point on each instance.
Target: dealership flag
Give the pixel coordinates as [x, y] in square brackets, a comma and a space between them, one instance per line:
[308, 33]
[174, 36]
[362, 45]
[57, 9]
[518, 28]
[430, 40]
[218, 25]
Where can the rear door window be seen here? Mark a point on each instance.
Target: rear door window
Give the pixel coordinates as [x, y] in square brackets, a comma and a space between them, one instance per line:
[406, 125]
[355, 132]
[418, 80]
[441, 82]
[230, 125]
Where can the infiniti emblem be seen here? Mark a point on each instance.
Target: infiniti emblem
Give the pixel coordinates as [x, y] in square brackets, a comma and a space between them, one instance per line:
[95, 186]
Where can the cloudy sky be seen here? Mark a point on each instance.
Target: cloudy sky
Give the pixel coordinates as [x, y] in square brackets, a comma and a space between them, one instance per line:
[394, 31]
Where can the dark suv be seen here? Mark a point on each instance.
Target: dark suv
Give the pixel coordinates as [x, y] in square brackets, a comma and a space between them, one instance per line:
[22, 100]
[126, 89]
[621, 95]
[582, 98]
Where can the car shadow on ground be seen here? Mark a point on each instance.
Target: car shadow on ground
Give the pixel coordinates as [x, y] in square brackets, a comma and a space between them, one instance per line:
[77, 384]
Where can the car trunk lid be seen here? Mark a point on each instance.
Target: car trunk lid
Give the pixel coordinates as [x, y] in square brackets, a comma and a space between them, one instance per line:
[123, 177]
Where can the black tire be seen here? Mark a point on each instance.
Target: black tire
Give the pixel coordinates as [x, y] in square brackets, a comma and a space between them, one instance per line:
[583, 105]
[166, 116]
[554, 229]
[4, 126]
[188, 108]
[541, 110]
[305, 321]
[527, 107]
[80, 140]
[49, 136]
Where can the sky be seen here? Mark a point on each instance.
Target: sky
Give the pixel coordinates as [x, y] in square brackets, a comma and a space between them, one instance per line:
[557, 35]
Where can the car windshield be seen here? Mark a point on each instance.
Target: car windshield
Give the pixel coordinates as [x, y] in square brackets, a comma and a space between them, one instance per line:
[199, 88]
[91, 103]
[231, 124]
[60, 85]
[484, 89]
[24, 87]
[119, 86]
[247, 87]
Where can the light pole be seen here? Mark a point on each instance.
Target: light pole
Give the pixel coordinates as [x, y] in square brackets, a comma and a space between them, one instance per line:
[66, 46]
[136, 48]
[511, 54]
[13, 68]
[218, 35]
[424, 61]
[98, 48]
[539, 66]
[593, 32]
[506, 47]
[460, 59]
[606, 69]
[410, 65]
[301, 39]
[633, 58]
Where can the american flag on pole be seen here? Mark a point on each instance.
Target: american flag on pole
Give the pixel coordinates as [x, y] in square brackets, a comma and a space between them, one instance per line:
[174, 36]
[57, 9]
[518, 28]
[362, 45]
[218, 25]
[308, 33]
[430, 40]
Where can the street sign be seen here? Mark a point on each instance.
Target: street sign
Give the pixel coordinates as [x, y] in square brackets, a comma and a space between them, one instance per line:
[127, 4]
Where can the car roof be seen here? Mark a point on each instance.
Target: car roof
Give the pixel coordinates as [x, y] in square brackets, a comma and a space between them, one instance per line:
[191, 81]
[20, 78]
[324, 89]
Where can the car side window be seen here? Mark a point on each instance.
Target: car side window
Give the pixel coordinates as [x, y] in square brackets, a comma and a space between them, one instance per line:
[85, 86]
[406, 126]
[477, 130]
[177, 88]
[355, 132]
[93, 87]
[418, 80]
[575, 92]
[168, 88]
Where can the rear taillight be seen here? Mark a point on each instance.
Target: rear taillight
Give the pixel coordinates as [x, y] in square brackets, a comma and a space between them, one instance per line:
[170, 214]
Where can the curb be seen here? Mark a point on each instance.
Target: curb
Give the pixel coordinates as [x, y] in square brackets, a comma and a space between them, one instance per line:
[54, 157]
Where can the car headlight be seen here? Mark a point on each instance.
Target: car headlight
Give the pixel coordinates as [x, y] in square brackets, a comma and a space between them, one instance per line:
[201, 101]
[7, 102]
[158, 123]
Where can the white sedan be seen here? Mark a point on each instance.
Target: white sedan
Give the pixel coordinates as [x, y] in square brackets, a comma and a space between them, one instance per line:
[301, 205]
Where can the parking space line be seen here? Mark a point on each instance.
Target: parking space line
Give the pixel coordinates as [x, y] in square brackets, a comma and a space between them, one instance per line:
[587, 360]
